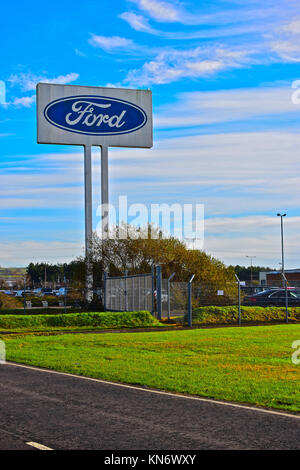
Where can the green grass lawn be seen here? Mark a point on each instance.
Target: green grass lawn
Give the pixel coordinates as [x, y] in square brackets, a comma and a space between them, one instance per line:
[249, 365]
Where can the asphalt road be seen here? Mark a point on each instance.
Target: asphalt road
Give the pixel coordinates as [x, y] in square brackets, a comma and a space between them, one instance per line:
[65, 412]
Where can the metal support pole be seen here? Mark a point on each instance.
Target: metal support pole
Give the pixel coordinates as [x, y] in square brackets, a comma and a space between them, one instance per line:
[286, 298]
[133, 296]
[104, 191]
[158, 292]
[139, 293]
[24, 296]
[152, 290]
[88, 222]
[145, 293]
[104, 290]
[190, 320]
[168, 293]
[65, 295]
[282, 250]
[239, 298]
[125, 292]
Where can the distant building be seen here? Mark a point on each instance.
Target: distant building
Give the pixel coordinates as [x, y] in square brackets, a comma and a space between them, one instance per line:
[274, 278]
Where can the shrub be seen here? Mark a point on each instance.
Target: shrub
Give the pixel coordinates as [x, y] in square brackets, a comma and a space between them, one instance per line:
[52, 301]
[7, 301]
[35, 301]
[38, 311]
[102, 320]
[229, 315]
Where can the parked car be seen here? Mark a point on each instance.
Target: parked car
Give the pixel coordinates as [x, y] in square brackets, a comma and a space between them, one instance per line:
[46, 291]
[164, 295]
[20, 293]
[38, 291]
[8, 292]
[273, 297]
[63, 290]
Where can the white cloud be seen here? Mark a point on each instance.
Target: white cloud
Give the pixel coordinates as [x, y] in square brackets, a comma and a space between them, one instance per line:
[171, 65]
[286, 41]
[174, 12]
[141, 23]
[293, 27]
[231, 239]
[25, 101]
[24, 252]
[225, 106]
[160, 10]
[287, 50]
[28, 81]
[137, 22]
[110, 43]
[238, 172]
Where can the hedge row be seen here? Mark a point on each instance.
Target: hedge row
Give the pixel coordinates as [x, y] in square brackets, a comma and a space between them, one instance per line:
[229, 315]
[102, 320]
[38, 301]
[38, 311]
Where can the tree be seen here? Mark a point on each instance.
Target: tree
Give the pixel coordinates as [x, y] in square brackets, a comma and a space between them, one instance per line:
[244, 273]
[138, 252]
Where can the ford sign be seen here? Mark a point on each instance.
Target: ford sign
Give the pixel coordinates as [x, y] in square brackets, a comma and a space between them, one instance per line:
[95, 115]
[78, 115]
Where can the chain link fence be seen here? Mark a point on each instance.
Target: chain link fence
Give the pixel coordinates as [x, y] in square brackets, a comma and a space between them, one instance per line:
[174, 299]
[129, 293]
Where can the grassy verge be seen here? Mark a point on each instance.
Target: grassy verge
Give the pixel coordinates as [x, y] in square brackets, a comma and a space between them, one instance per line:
[88, 320]
[229, 315]
[249, 365]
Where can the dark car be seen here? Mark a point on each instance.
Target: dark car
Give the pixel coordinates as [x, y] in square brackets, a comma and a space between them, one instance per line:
[47, 292]
[273, 297]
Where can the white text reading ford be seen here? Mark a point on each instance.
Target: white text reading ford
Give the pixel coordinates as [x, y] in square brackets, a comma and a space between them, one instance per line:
[86, 115]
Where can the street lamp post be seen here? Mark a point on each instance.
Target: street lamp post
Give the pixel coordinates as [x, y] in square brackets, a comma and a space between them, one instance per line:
[251, 257]
[282, 265]
[282, 251]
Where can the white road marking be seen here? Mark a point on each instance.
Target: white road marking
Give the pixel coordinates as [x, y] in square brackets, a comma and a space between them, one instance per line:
[38, 446]
[159, 392]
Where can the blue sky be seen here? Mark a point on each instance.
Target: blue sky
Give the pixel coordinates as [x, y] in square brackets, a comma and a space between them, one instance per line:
[226, 131]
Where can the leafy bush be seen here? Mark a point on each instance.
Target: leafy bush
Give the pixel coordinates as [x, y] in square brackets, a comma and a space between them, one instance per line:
[102, 320]
[95, 305]
[38, 301]
[38, 311]
[229, 315]
[52, 301]
[7, 301]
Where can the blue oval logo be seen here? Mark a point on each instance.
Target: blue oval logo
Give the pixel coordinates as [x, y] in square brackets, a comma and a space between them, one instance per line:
[95, 115]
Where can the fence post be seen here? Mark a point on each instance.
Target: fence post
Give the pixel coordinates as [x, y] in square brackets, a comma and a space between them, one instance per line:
[132, 295]
[286, 298]
[190, 320]
[152, 288]
[24, 295]
[145, 293]
[104, 290]
[125, 290]
[158, 292]
[65, 295]
[239, 297]
[168, 293]
[120, 295]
